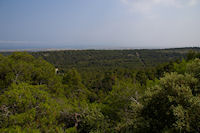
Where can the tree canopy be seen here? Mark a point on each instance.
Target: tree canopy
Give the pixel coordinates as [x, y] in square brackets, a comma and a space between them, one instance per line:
[35, 98]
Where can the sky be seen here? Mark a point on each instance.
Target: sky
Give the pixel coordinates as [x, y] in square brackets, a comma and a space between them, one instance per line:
[27, 24]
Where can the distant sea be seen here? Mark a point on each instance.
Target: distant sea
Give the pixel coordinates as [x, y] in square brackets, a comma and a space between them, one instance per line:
[41, 47]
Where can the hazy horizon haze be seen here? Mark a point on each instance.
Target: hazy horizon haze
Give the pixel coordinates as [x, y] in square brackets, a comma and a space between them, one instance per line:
[29, 24]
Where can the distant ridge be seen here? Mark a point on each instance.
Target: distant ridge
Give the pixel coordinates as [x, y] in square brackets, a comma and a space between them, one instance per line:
[63, 49]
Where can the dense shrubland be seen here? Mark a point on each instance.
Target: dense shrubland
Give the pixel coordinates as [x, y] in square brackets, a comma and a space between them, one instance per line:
[90, 60]
[34, 98]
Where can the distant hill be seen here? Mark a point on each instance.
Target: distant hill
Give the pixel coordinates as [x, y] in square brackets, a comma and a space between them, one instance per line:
[89, 59]
[106, 59]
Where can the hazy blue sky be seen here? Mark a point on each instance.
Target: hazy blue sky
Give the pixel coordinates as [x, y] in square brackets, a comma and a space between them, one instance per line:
[99, 23]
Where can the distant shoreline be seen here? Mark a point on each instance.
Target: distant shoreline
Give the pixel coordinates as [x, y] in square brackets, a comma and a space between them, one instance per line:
[63, 49]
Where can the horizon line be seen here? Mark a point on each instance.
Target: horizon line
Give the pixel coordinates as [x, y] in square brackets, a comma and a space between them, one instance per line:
[65, 49]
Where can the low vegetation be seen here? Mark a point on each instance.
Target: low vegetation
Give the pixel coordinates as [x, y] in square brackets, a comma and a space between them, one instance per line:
[35, 98]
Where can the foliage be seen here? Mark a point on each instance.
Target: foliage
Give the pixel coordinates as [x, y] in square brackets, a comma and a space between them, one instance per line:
[28, 106]
[104, 60]
[22, 67]
[168, 105]
[110, 96]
